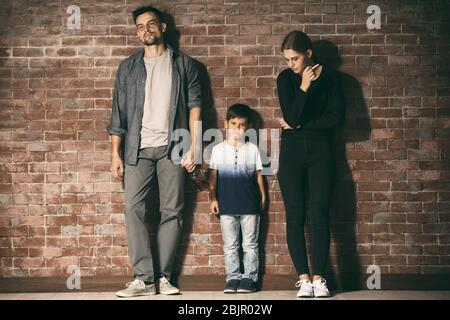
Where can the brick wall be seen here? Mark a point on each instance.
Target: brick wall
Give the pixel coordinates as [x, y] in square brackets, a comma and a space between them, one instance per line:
[59, 205]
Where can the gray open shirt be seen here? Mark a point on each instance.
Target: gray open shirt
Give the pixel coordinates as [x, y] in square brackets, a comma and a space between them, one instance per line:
[129, 95]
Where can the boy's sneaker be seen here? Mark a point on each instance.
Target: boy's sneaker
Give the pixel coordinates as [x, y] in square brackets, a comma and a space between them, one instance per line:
[137, 288]
[231, 286]
[306, 289]
[166, 288]
[246, 285]
[320, 288]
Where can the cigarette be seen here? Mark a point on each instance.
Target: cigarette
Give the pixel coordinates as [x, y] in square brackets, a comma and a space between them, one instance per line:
[315, 67]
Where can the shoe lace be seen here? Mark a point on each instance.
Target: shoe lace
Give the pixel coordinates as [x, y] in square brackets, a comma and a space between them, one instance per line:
[300, 283]
[323, 282]
[136, 283]
[164, 281]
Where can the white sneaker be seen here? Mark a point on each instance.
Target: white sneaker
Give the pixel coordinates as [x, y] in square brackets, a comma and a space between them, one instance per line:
[306, 289]
[137, 288]
[166, 288]
[320, 288]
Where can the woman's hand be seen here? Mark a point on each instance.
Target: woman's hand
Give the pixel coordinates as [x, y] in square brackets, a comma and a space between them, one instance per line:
[308, 76]
[284, 124]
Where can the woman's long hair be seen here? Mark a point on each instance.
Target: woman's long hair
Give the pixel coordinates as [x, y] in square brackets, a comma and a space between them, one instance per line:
[298, 41]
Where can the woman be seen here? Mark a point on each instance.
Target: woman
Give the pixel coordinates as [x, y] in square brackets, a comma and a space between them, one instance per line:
[312, 105]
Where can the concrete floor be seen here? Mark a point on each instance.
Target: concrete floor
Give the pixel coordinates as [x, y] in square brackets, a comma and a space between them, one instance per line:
[218, 295]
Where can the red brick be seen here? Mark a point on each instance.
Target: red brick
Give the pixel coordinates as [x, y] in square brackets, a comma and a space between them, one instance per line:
[55, 152]
[45, 252]
[28, 52]
[77, 41]
[406, 228]
[257, 71]
[28, 242]
[240, 61]
[208, 40]
[390, 260]
[405, 207]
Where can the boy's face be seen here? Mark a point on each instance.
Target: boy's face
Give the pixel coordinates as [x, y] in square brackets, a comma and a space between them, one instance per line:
[236, 128]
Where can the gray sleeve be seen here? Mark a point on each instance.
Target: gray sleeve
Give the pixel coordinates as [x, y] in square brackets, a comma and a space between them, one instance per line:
[194, 86]
[118, 124]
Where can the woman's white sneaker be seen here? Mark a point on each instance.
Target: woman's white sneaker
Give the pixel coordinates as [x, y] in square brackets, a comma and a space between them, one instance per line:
[306, 289]
[320, 288]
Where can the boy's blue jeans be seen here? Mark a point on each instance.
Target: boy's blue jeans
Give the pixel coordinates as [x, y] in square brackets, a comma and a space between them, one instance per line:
[231, 224]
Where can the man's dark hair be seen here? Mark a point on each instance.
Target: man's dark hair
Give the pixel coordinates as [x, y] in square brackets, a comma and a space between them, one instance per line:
[298, 41]
[239, 110]
[137, 12]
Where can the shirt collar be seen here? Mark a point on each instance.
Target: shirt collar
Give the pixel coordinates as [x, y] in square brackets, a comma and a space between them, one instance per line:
[140, 54]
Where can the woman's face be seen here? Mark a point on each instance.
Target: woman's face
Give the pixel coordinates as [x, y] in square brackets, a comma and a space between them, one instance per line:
[297, 61]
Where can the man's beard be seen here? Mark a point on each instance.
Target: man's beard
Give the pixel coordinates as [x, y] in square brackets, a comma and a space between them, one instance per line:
[151, 41]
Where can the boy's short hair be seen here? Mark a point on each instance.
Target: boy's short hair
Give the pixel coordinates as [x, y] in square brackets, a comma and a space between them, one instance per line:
[239, 110]
[137, 12]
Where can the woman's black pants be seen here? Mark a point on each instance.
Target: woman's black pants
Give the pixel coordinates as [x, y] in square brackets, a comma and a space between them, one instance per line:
[307, 164]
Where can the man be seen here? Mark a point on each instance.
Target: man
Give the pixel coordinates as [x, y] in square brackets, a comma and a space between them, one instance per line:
[156, 92]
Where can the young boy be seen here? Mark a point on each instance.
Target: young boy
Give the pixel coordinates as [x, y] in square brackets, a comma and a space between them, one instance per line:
[237, 195]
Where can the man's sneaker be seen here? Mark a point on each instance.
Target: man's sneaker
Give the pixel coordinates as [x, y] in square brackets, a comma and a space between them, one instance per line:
[166, 288]
[246, 285]
[137, 288]
[320, 288]
[231, 286]
[306, 289]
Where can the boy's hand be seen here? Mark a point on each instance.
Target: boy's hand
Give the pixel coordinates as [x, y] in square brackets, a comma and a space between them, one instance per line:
[263, 203]
[215, 207]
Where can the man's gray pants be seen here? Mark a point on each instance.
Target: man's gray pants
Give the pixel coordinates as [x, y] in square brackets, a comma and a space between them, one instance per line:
[153, 162]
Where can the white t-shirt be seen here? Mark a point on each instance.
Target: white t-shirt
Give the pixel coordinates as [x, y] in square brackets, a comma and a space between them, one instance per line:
[237, 185]
[158, 86]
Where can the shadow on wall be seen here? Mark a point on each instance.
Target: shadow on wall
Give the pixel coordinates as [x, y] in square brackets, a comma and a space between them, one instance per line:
[209, 119]
[172, 35]
[257, 124]
[344, 210]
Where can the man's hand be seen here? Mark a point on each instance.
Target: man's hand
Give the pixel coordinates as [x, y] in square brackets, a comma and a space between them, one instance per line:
[117, 167]
[263, 202]
[308, 76]
[215, 207]
[187, 161]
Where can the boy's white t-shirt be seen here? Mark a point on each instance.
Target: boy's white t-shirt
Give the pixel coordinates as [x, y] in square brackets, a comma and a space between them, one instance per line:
[237, 185]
